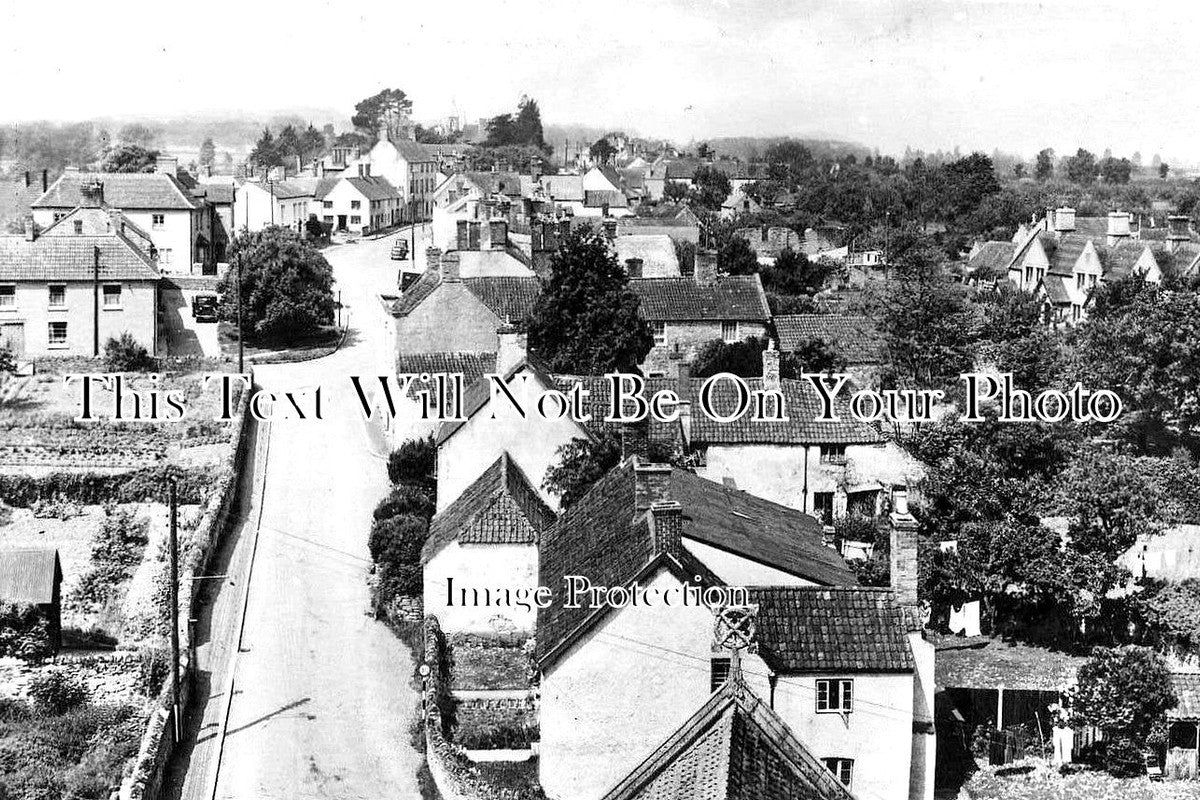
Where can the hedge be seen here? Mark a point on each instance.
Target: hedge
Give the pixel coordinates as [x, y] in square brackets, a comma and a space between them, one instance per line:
[94, 488]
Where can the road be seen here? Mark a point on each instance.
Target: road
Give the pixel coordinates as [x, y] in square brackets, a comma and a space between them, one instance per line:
[323, 701]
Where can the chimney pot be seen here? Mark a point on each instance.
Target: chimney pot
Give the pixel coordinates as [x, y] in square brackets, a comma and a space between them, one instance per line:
[512, 347]
[26, 179]
[903, 557]
[633, 267]
[770, 366]
[450, 267]
[30, 229]
[652, 484]
[433, 258]
[666, 525]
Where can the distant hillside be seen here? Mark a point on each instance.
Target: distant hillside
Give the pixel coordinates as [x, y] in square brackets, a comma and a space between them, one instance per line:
[749, 148]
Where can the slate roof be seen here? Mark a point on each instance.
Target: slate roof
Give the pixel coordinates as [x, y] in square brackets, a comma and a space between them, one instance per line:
[854, 337]
[598, 199]
[1187, 690]
[97, 221]
[500, 507]
[324, 186]
[508, 183]
[735, 747]
[472, 366]
[478, 393]
[683, 169]
[140, 190]
[802, 427]
[413, 152]
[374, 187]
[1120, 259]
[604, 537]
[821, 629]
[597, 387]
[1056, 289]
[216, 193]
[993, 257]
[657, 252]
[509, 297]
[730, 297]
[29, 576]
[71, 258]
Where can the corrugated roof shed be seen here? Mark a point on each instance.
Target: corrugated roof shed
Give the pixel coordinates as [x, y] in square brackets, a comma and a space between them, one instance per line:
[29, 576]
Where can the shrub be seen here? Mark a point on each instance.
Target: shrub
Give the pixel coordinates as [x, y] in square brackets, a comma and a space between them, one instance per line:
[396, 580]
[57, 691]
[126, 354]
[24, 632]
[154, 665]
[398, 540]
[855, 528]
[414, 462]
[116, 552]
[405, 499]
[93, 488]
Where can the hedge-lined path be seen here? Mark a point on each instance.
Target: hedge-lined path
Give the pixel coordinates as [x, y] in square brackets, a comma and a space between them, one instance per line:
[323, 702]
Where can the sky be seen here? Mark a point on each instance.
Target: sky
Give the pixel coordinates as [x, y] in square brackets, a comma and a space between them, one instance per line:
[976, 74]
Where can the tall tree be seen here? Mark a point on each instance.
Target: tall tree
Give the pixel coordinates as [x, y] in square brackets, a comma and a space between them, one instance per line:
[312, 143]
[710, 187]
[529, 123]
[1045, 165]
[208, 152]
[129, 158]
[586, 319]
[602, 150]
[138, 134]
[265, 152]
[389, 110]
[1081, 167]
[287, 143]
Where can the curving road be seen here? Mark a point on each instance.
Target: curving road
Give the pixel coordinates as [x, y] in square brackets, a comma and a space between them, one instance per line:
[322, 703]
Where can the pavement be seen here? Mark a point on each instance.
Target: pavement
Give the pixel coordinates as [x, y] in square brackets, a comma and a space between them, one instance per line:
[322, 702]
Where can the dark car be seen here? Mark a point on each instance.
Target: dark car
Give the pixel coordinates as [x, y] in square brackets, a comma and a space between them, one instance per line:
[204, 308]
[400, 250]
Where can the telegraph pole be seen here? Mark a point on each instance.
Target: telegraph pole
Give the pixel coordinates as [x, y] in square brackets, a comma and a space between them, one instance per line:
[174, 549]
[241, 337]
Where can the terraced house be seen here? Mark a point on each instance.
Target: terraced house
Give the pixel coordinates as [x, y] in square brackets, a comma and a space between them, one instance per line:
[179, 225]
[65, 293]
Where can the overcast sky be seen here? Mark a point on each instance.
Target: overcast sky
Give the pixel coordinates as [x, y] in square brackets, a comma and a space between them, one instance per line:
[970, 73]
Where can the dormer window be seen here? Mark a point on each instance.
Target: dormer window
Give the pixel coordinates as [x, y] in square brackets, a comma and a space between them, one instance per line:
[78, 227]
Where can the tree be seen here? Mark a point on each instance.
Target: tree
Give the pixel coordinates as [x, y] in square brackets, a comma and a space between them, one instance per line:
[1115, 170]
[793, 273]
[586, 319]
[129, 158]
[735, 256]
[744, 358]
[138, 134]
[1111, 501]
[704, 152]
[1018, 170]
[386, 110]
[1125, 692]
[602, 150]
[528, 125]
[208, 152]
[1081, 167]
[675, 191]
[287, 144]
[579, 463]
[312, 143]
[1163, 169]
[286, 286]
[710, 187]
[265, 152]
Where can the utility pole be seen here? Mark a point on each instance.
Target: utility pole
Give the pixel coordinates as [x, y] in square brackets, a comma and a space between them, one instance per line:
[241, 337]
[174, 549]
[96, 300]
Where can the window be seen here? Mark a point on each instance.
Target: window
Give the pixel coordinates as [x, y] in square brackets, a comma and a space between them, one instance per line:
[1076, 312]
[356, 220]
[112, 295]
[58, 294]
[327, 218]
[729, 331]
[355, 204]
[158, 221]
[835, 695]
[58, 334]
[164, 255]
[823, 507]
[59, 215]
[842, 767]
[78, 227]
[833, 454]
[660, 332]
[1079, 281]
[719, 673]
[327, 204]
[8, 297]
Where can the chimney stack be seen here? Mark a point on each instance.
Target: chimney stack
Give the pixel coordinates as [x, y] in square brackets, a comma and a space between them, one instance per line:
[610, 229]
[683, 388]
[512, 346]
[498, 231]
[652, 484]
[167, 165]
[463, 240]
[635, 440]
[633, 267]
[903, 558]
[1064, 220]
[92, 194]
[450, 267]
[666, 526]
[770, 367]
[706, 267]
[26, 179]
[45, 180]
[30, 230]
[1177, 231]
[116, 221]
[433, 258]
[1118, 227]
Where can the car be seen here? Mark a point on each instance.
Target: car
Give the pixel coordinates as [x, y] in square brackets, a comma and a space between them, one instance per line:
[400, 250]
[204, 308]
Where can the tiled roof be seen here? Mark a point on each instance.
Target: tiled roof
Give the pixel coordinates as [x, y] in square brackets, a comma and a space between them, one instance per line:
[802, 427]
[1056, 289]
[98, 221]
[509, 298]
[735, 747]
[730, 297]
[564, 188]
[472, 366]
[993, 257]
[657, 252]
[854, 337]
[824, 629]
[415, 294]
[683, 169]
[29, 576]
[500, 507]
[71, 258]
[374, 188]
[1120, 259]
[598, 199]
[1187, 690]
[218, 193]
[478, 394]
[413, 152]
[280, 190]
[324, 186]
[130, 190]
[508, 183]
[604, 537]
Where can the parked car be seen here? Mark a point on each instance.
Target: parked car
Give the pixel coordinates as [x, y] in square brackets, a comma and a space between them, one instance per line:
[400, 250]
[204, 308]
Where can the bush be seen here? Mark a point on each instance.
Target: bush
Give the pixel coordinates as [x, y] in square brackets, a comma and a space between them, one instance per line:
[154, 666]
[1123, 758]
[406, 499]
[24, 633]
[57, 692]
[855, 528]
[414, 462]
[93, 488]
[396, 580]
[126, 354]
[398, 540]
[116, 552]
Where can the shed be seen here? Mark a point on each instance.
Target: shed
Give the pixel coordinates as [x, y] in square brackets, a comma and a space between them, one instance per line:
[34, 577]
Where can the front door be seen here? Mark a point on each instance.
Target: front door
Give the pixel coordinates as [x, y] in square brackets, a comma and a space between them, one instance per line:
[341, 222]
[12, 337]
